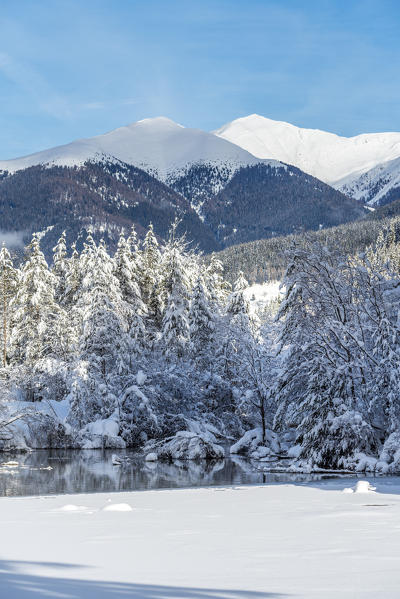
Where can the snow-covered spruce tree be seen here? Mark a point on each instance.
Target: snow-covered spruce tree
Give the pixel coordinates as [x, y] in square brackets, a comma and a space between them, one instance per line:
[217, 288]
[175, 324]
[60, 268]
[8, 289]
[237, 303]
[293, 337]
[103, 337]
[148, 269]
[176, 274]
[136, 259]
[36, 316]
[201, 324]
[134, 308]
[103, 346]
[73, 278]
[151, 258]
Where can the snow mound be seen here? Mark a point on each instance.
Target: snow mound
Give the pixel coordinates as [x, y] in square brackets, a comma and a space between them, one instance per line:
[70, 507]
[117, 507]
[362, 486]
[186, 445]
[251, 444]
[151, 457]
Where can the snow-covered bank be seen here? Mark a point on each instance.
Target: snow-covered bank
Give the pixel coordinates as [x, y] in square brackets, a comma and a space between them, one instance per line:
[241, 542]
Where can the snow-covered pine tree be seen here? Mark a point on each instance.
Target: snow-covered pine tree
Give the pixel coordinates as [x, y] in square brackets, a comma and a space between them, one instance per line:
[8, 289]
[60, 268]
[150, 279]
[237, 303]
[151, 257]
[73, 278]
[136, 259]
[176, 283]
[36, 315]
[201, 323]
[103, 339]
[134, 308]
[217, 288]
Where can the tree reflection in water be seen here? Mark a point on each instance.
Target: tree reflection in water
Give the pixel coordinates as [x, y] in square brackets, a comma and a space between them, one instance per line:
[58, 471]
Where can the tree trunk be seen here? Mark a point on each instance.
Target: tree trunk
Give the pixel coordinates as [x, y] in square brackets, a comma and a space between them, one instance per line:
[262, 412]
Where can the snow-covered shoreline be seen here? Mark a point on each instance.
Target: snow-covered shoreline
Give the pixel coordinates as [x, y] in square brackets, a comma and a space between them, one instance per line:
[229, 542]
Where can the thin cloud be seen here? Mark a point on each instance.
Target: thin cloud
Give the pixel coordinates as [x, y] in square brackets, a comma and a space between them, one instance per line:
[26, 78]
[102, 105]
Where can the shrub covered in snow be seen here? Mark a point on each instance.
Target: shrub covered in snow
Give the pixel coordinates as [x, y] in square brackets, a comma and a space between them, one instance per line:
[186, 445]
[252, 445]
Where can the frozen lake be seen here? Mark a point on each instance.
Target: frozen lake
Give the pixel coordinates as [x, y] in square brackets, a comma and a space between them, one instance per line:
[50, 472]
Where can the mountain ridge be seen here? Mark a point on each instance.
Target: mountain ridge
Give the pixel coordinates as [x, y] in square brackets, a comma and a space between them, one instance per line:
[159, 146]
[324, 155]
[362, 167]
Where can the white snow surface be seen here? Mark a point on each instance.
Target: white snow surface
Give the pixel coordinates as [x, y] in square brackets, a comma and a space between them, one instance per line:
[158, 145]
[324, 155]
[212, 543]
[261, 295]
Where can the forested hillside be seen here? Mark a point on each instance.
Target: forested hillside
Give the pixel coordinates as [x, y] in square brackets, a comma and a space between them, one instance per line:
[263, 201]
[266, 259]
[105, 197]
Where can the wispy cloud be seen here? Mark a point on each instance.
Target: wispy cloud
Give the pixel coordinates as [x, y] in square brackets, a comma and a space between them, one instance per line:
[103, 105]
[93, 106]
[30, 81]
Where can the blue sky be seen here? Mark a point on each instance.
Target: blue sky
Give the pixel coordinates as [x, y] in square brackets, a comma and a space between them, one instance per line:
[71, 69]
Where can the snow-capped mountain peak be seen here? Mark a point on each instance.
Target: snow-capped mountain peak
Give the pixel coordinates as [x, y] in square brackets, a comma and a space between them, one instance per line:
[324, 155]
[158, 145]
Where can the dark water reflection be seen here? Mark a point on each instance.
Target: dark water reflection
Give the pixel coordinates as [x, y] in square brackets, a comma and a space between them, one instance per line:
[48, 472]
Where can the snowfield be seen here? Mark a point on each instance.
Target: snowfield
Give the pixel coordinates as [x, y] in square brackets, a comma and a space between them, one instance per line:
[237, 542]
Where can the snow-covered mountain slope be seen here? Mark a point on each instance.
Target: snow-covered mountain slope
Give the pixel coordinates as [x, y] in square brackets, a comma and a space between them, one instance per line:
[159, 146]
[378, 186]
[324, 155]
